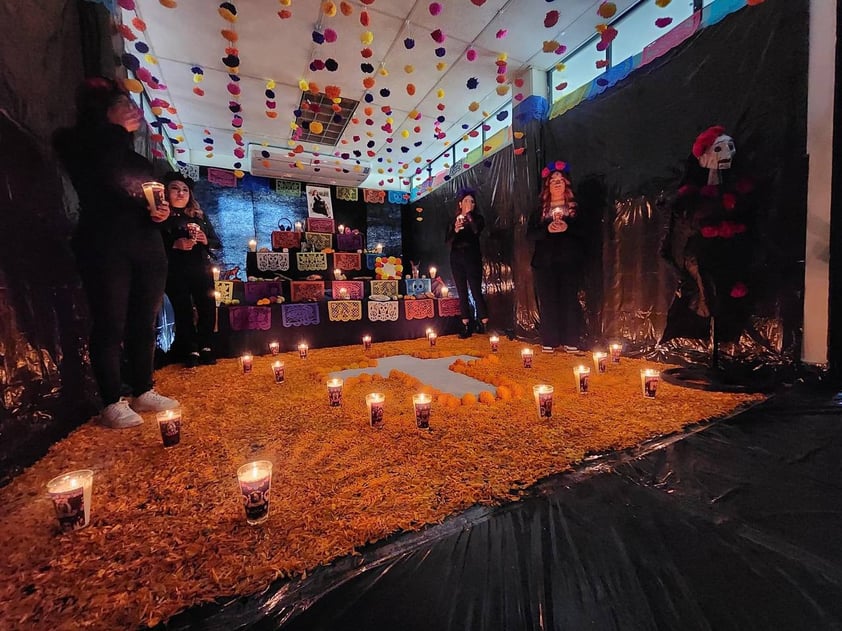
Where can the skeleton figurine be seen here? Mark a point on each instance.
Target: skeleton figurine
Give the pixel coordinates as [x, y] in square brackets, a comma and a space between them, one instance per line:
[715, 151]
[706, 239]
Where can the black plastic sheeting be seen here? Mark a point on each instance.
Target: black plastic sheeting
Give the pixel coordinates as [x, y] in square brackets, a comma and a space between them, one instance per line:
[732, 525]
[627, 151]
[45, 378]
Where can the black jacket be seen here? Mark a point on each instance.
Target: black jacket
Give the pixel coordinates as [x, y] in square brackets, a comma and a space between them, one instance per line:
[108, 175]
[466, 240]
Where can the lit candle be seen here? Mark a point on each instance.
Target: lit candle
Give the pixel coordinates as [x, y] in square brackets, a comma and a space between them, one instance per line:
[649, 379]
[246, 360]
[495, 343]
[255, 480]
[343, 293]
[169, 422]
[334, 392]
[543, 400]
[445, 292]
[298, 226]
[302, 350]
[433, 272]
[616, 349]
[378, 248]
[367, 342]
[217, 296]
[215, 272]
[337, 274]
[274, 347]
[423, 404]
[526, 356]
[278, 371]
[600, 361]
[71, 495]
[341, 229]
[252, 246]
[582, 376]
[432, 337]
[375, 402]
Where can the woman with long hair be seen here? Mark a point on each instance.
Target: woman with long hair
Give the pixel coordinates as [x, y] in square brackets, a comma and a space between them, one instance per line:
[557, 260]
[190, 240]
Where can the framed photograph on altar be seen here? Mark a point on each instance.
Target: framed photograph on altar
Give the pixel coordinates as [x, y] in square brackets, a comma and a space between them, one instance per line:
[319, 203]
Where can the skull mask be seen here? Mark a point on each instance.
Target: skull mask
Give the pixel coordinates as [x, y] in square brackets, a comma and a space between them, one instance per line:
[720, 154]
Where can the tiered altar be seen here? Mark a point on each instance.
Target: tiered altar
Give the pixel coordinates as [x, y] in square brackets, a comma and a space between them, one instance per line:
[322, 287]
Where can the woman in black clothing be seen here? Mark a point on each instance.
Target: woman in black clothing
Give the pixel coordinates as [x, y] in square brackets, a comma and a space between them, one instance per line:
[466, 261]
[189, 239]
[557, 260]
[118, 247]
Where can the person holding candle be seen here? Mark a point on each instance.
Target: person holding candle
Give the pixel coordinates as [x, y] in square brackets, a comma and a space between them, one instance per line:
[118, 247]
[557, 260]
[466, 261]
[190, 241]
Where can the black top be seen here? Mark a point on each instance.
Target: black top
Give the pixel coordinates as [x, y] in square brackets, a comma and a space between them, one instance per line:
[467, 239]
[555, 248]
[175, 227]
[108, 175]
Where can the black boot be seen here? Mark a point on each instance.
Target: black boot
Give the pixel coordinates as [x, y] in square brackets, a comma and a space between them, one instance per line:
[465, 330]
[481, 327]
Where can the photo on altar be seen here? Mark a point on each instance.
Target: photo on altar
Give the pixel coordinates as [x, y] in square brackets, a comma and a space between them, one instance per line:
[318, 202]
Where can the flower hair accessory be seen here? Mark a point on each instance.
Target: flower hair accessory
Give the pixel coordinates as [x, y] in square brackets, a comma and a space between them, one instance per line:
[552, 167]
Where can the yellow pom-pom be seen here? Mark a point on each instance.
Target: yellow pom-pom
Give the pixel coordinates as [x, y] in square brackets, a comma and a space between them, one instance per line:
[329, 9]
[366, 38]
[409, 68]
[303, 85]
[405, 133]
[239, 174]
[316, 127]
[440, 93]
[270, 85]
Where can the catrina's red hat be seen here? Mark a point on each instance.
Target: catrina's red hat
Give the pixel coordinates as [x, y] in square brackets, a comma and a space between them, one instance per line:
[706, 139]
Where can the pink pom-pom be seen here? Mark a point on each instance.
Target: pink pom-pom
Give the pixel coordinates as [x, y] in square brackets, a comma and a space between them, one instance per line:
[502, 33]
[435, 8]
[330, 35]
[471, 54]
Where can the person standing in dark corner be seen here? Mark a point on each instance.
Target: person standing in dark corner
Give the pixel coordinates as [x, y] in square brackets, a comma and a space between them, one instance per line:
[190, 238]
[557, 260]
[118, 247]
[466, 261]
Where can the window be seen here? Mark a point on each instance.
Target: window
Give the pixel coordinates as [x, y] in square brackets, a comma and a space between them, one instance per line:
[579, 69]
[637, 28]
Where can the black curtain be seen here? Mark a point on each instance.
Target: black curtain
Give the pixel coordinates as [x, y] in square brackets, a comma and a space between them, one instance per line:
[627, 150]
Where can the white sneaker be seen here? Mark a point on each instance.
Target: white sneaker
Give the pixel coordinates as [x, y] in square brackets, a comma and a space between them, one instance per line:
[119, 416]
[151, 401]
[571, 349]
[547, 349]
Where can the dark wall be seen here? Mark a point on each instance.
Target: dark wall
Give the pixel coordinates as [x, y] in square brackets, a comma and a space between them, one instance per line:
[627, 150]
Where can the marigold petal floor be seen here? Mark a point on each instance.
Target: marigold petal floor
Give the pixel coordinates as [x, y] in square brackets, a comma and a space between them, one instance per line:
[167, 529]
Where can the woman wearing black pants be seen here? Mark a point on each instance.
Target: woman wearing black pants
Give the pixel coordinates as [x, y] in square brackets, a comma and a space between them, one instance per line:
[557, 261]
[118, 245]
[189, 239]
[466, 261]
